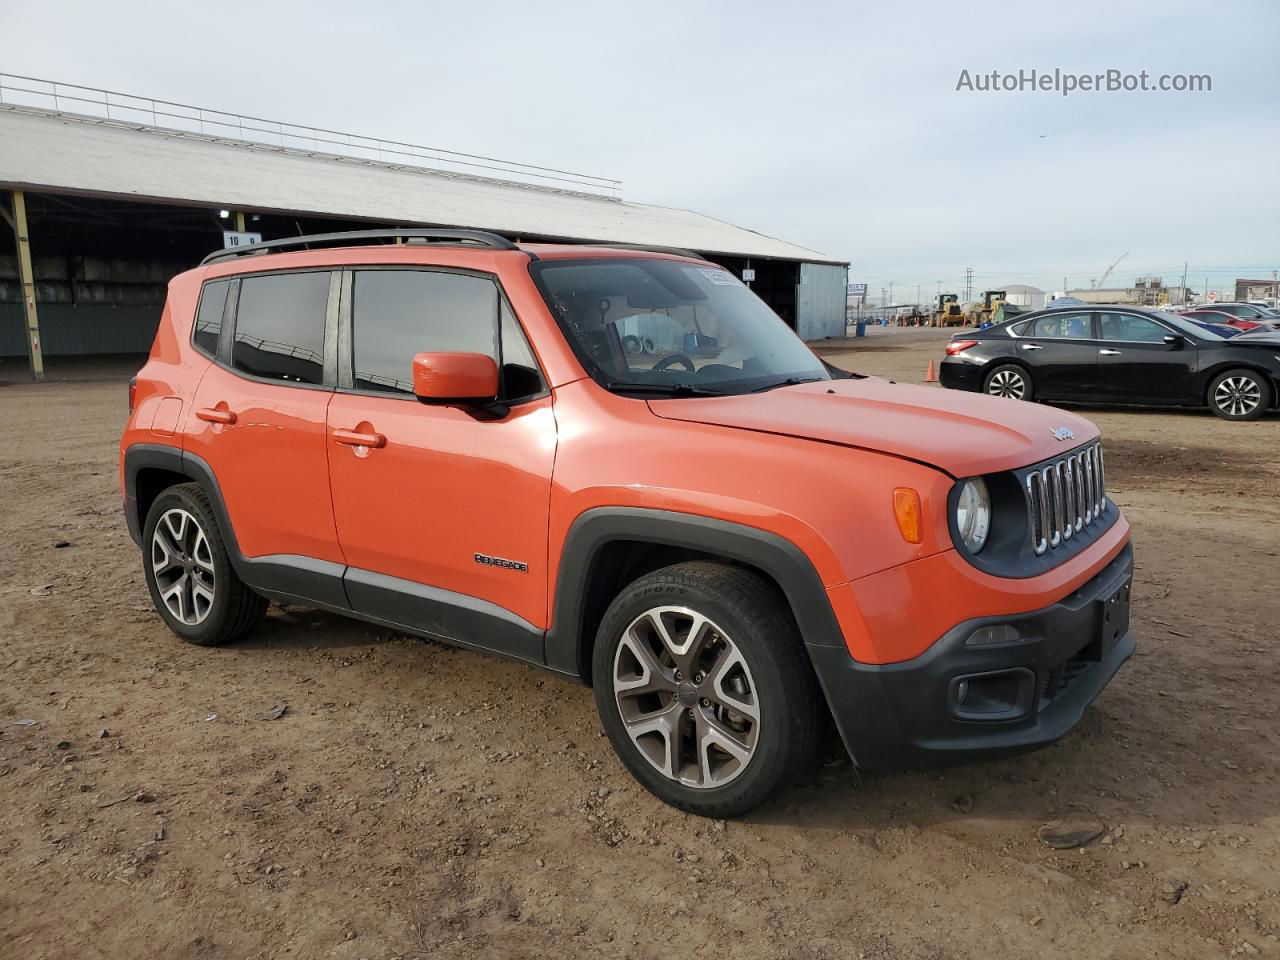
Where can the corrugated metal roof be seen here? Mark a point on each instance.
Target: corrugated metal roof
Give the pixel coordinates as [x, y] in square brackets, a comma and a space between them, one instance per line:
[40, 151]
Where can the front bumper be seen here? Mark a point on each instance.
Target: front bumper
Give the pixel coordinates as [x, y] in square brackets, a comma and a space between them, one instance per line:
[943, 706]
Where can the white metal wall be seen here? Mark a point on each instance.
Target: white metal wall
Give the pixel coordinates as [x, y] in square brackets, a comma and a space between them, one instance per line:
[820, 300]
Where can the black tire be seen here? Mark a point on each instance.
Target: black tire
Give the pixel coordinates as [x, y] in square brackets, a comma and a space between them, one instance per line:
[754, 615]
[631, 345]
[1004, 381]
[1240, 394]
[234, 608]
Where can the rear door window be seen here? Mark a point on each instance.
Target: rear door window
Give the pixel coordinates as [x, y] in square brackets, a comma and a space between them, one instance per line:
[280, 321]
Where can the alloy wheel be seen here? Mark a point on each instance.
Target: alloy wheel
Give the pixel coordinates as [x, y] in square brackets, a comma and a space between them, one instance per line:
[1007, 383]
[182, 564]
[1238, 396]
[686, 697]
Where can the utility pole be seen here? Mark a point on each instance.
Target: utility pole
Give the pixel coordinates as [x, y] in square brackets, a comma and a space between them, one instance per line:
[917, 294]
[1184, 283]
[890, 291]
[968, 284]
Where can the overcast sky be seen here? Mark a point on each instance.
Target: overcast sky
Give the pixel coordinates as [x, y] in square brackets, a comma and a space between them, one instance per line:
[837, 126]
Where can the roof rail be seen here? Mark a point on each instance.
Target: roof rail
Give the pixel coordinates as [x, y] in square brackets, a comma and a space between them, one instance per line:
[643, 248]
[478, 238]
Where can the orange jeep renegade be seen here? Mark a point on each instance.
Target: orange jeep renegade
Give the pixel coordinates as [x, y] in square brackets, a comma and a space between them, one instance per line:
[622, 466]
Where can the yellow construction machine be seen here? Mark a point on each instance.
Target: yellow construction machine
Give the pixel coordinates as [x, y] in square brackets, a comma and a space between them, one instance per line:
[947, 312]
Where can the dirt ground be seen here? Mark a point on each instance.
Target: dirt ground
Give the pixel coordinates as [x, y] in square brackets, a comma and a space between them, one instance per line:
[419, 801]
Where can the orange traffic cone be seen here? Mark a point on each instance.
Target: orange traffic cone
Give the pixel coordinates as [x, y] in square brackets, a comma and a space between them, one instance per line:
[929, 375]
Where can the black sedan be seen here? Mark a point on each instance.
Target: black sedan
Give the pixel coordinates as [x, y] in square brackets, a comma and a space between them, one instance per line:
[1118, 354]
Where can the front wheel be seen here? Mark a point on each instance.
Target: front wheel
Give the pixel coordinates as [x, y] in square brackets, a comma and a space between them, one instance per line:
[704, 690]
[1008, 380]
[1239, 395]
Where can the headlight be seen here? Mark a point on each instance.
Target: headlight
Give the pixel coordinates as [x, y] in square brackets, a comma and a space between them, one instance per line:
[973, 514]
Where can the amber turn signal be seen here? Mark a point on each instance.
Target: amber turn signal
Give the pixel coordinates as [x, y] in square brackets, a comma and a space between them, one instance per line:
[906, 507]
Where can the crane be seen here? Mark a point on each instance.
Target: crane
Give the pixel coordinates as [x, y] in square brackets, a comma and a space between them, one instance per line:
[1106, 273]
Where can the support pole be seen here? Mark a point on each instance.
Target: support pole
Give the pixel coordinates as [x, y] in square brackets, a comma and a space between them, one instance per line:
[27, 277]
[239, 221]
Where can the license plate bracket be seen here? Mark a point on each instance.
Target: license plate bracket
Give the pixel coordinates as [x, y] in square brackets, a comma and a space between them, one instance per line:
[1113, 618]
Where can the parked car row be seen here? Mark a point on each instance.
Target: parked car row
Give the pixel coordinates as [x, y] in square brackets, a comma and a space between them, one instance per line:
[1232, 318]
[1121, 354]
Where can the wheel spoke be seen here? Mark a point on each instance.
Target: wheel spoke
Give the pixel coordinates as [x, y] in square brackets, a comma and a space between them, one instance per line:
[667, 723]
[176, 522]
[175, 595]
[201, 590]
[164, 555]
[201, 553]
[682, 650]
[719, 680]
[712, 732]
[653, 675]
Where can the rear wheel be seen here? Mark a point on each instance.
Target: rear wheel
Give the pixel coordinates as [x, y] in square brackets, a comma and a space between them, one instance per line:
[189, 573]
[1008, 380]
[1239, 395]
[704, 690]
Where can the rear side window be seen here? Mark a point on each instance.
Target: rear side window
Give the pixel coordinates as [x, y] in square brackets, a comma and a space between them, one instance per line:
[208, 328]
[280, 327]
[398, 313]
[1063, 326]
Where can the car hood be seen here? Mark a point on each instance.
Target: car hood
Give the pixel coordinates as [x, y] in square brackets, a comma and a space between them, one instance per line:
[964, 434]
[1261, 338]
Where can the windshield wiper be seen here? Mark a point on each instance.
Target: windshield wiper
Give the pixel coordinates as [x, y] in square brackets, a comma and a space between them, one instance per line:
[788, 382]
[666, 389]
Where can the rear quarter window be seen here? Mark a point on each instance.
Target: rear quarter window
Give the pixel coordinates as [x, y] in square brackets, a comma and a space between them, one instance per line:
[208, 325]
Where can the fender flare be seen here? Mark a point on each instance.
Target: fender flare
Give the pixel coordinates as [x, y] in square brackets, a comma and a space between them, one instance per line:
[141, 456]
[288, 578]
[777, 557]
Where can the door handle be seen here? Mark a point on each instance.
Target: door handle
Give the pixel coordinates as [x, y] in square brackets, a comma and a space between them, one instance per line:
[1108, 353]
[354, 438]
[214, 415]
[1031, 346]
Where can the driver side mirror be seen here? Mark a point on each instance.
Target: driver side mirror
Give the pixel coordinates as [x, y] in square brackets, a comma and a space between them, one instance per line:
[455, 378]
[1174, 342]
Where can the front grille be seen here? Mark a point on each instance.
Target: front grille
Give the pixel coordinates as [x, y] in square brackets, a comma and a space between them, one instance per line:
[1066, 496]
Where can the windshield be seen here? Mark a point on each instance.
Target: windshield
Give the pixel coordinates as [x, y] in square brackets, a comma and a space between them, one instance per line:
[1190, 327]
[661, 326]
